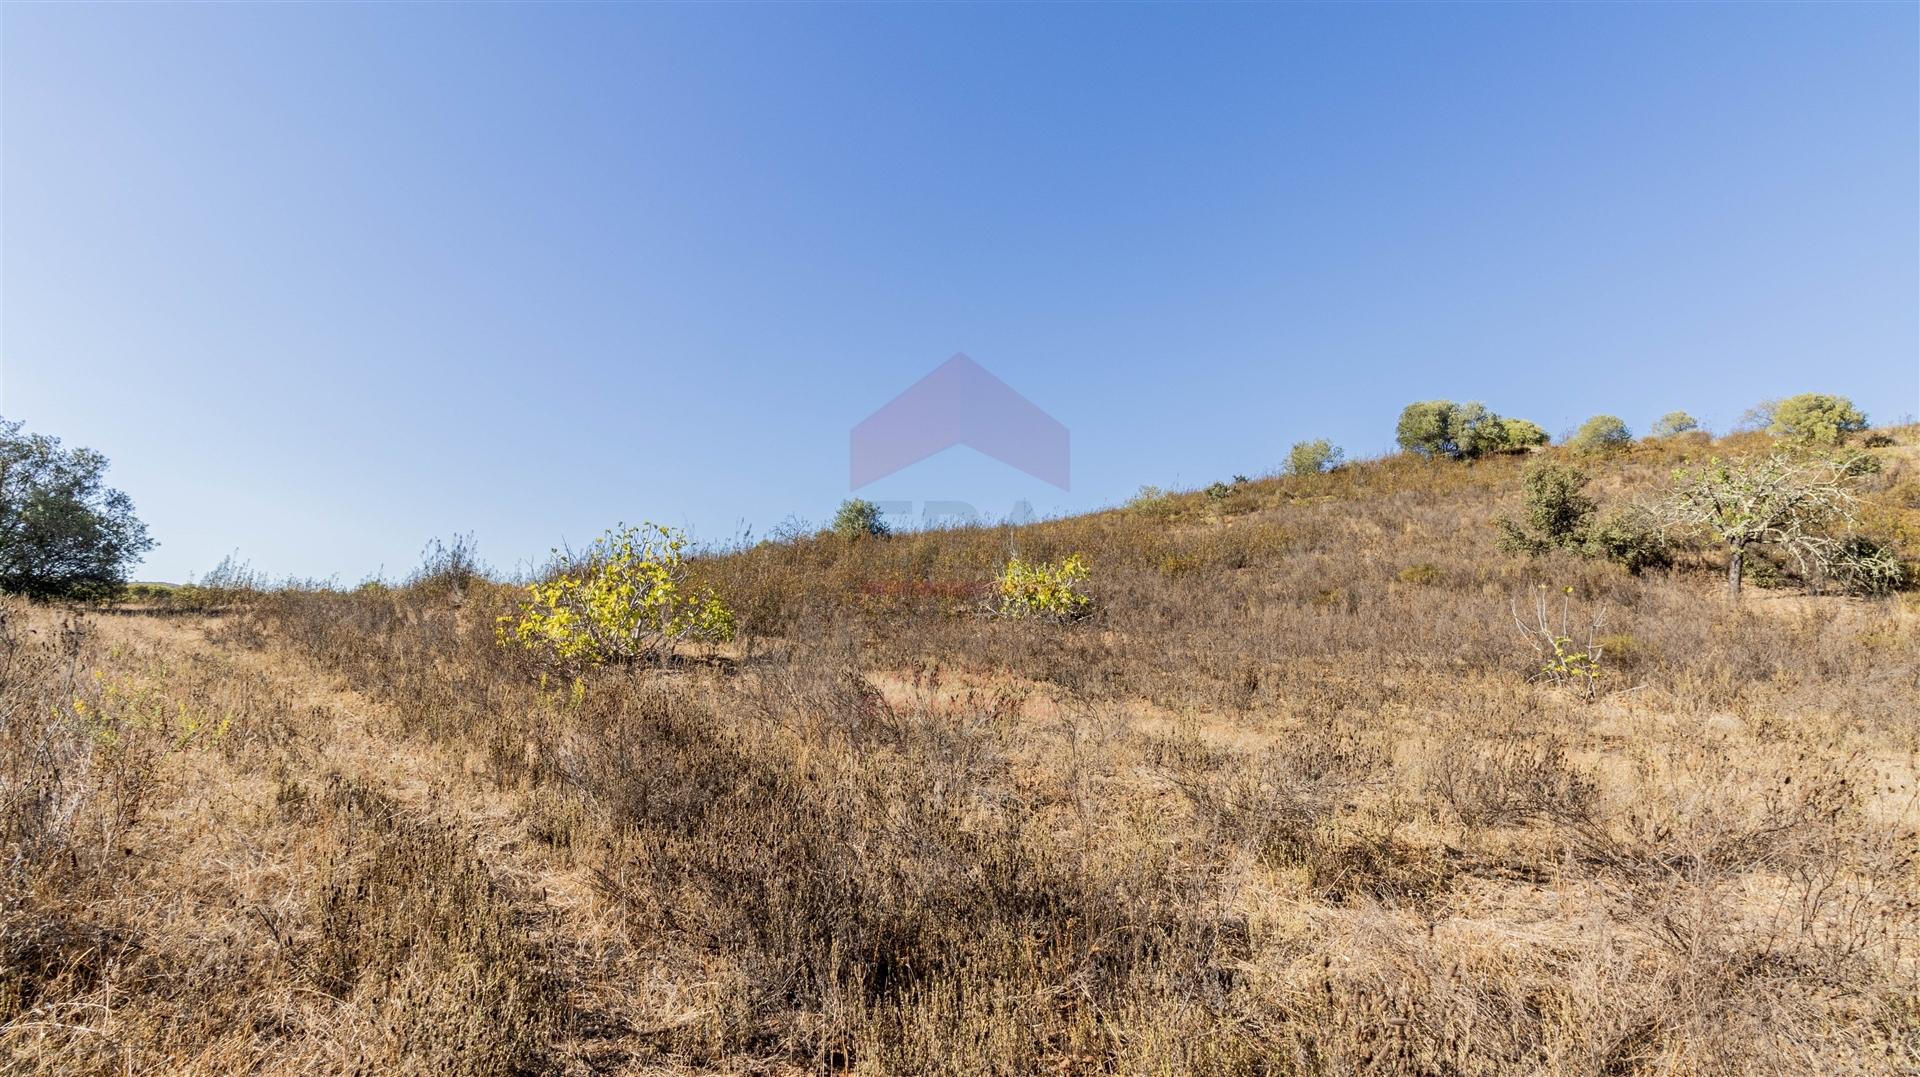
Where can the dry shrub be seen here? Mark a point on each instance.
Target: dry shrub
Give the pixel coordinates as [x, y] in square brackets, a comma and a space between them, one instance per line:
[1304, 806]
[96, 976]
[69, 790]
[1513, 784]
[411, 929]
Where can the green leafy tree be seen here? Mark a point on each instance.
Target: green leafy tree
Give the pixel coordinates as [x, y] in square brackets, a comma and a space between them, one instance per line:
[1477, 431]
[1444, 428]
[1313, 457]
[1602, 433]
[63, 532]
[1673, 422]
[1426, 428]
[859, 519]
[1521, 434]
[1816, 419]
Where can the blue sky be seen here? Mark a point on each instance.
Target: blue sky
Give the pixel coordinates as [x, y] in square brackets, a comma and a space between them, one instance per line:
[327, 281]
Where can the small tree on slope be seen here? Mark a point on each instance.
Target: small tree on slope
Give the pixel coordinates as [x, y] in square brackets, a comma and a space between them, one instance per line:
[1800, 505]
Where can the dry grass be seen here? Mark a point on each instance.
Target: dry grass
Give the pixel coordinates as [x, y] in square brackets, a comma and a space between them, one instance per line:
[1291, 803]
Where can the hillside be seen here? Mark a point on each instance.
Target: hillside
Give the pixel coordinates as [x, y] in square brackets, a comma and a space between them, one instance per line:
[1294, 800]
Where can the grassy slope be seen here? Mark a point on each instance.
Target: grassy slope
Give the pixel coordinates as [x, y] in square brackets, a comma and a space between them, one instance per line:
[1292, 803]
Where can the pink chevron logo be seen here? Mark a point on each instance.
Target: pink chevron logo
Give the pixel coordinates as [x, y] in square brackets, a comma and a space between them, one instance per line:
[959, 403]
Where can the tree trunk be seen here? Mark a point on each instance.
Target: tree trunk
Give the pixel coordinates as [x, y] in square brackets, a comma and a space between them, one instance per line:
[1734, 563]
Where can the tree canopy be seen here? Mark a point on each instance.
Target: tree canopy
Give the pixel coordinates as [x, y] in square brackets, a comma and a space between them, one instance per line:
[63, 532]
[1801, 505]
[1462, 431]
[1313, 457]
[1602, 433]
[1816, 418]
[1673, 423]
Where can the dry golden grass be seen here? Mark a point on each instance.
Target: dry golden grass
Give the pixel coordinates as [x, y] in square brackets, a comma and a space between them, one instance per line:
[1292, 803]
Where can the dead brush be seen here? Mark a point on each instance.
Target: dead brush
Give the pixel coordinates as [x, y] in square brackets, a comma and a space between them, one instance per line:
[1304, 806]
[1704, 820]
[1504, 785]
[409, 927]
[69, 792]
[46, 748]
[859, 880]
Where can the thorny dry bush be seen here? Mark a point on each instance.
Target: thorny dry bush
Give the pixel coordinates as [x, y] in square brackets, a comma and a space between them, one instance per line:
[1283, 807]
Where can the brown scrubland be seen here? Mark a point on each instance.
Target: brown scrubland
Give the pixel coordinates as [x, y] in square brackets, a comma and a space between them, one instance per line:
[1295, 800]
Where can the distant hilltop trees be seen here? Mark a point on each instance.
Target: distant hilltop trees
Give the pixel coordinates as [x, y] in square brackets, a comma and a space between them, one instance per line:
[1462, 431]
[1445, 429]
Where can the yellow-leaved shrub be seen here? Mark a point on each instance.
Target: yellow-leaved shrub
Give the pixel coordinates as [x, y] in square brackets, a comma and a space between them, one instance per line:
[1040, 589]
[627, 597]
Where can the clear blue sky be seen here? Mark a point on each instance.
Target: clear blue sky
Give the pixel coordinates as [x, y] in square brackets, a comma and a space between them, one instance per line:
[326, 281]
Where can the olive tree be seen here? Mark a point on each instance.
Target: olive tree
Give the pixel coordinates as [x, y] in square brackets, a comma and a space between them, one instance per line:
[1313, 457]
[1477, 431]
[1522, 434]
[1800, 505]
[1462, 431]
[1426, 428]
[1815, 419]
[63, 532]
[1673, 422]
[1602, 433]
